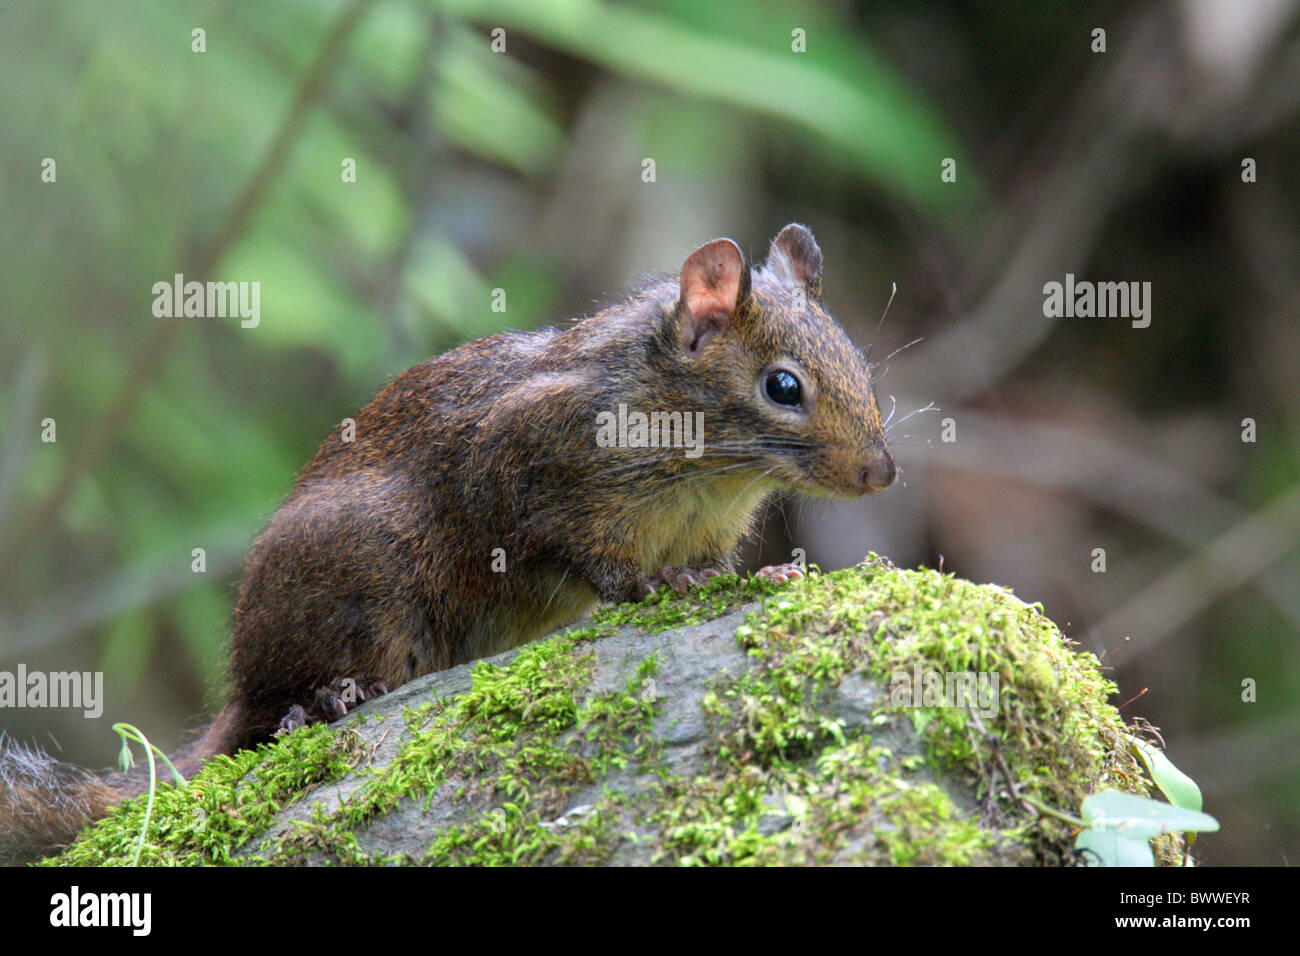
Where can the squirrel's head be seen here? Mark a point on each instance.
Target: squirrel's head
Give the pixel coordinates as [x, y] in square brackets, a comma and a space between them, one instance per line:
[795, 394]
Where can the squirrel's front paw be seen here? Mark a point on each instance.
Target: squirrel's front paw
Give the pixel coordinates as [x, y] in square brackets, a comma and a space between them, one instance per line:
[683, 577]
[331, 703]
[780, 573]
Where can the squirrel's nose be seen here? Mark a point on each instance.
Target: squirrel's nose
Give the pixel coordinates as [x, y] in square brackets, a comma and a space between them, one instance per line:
[879, 473]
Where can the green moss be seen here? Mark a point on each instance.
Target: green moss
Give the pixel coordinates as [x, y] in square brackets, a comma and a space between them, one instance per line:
[788, 781]
[1053, 730]
[230, 801]
[667, 609]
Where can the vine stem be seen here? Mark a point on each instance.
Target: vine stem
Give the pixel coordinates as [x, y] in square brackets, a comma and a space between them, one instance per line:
[128, 732]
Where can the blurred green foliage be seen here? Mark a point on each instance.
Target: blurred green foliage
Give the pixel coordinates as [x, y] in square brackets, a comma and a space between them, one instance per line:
[475, 170]
[154, 144]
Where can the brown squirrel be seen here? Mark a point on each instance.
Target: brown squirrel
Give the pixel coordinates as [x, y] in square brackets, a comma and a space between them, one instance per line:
[477, 507]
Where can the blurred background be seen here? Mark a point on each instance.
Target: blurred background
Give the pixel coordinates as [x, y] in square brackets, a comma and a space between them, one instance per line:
[523, 170]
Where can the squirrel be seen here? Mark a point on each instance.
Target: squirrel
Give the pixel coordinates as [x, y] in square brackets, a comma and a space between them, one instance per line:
[476, 506]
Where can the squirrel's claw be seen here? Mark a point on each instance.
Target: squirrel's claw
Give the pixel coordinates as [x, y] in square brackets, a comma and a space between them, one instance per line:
[297, 717]
[681, 578]
[331, 703]
[780, 573]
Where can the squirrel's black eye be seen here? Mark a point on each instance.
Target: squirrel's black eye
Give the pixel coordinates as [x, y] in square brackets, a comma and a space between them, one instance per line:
[783, 388]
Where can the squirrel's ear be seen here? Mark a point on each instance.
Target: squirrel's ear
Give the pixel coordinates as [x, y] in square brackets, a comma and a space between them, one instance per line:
[715, 282]
[796, 260]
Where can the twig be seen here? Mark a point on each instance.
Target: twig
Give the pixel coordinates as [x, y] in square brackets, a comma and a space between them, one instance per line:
[1122, 478]
[1234, 558]
[101, 432]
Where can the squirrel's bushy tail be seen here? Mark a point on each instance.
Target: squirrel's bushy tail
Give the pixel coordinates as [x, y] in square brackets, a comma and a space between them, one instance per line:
[45, 802]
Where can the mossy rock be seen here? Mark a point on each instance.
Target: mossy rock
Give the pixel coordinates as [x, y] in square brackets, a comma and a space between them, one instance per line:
[743, 723]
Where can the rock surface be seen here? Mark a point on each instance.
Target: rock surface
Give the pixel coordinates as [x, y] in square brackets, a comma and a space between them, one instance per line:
[744, 723]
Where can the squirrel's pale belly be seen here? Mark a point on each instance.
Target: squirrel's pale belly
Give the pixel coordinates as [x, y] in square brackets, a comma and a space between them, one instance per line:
[697, 526]
[374, 569]
[702, 523]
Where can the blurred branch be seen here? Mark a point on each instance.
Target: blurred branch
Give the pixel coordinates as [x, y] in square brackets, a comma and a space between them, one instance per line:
[62, 616]
[1123, 117]
[421, 188]
[1119, 478]
[1238, 759]
[1060, 204]
[1234, 558]
[99, 435]
[20, 415]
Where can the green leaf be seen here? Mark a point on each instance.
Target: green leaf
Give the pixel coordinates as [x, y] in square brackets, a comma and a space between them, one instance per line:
[856, 104]
[1181, 789]
[1111, 849]
[494, 107]
[1139, 817]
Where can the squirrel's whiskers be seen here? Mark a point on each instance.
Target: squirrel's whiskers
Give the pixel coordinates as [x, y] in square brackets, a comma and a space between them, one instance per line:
[486, 498]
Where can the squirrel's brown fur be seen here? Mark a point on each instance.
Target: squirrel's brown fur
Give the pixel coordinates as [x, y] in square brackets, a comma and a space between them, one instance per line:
[379, 567]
